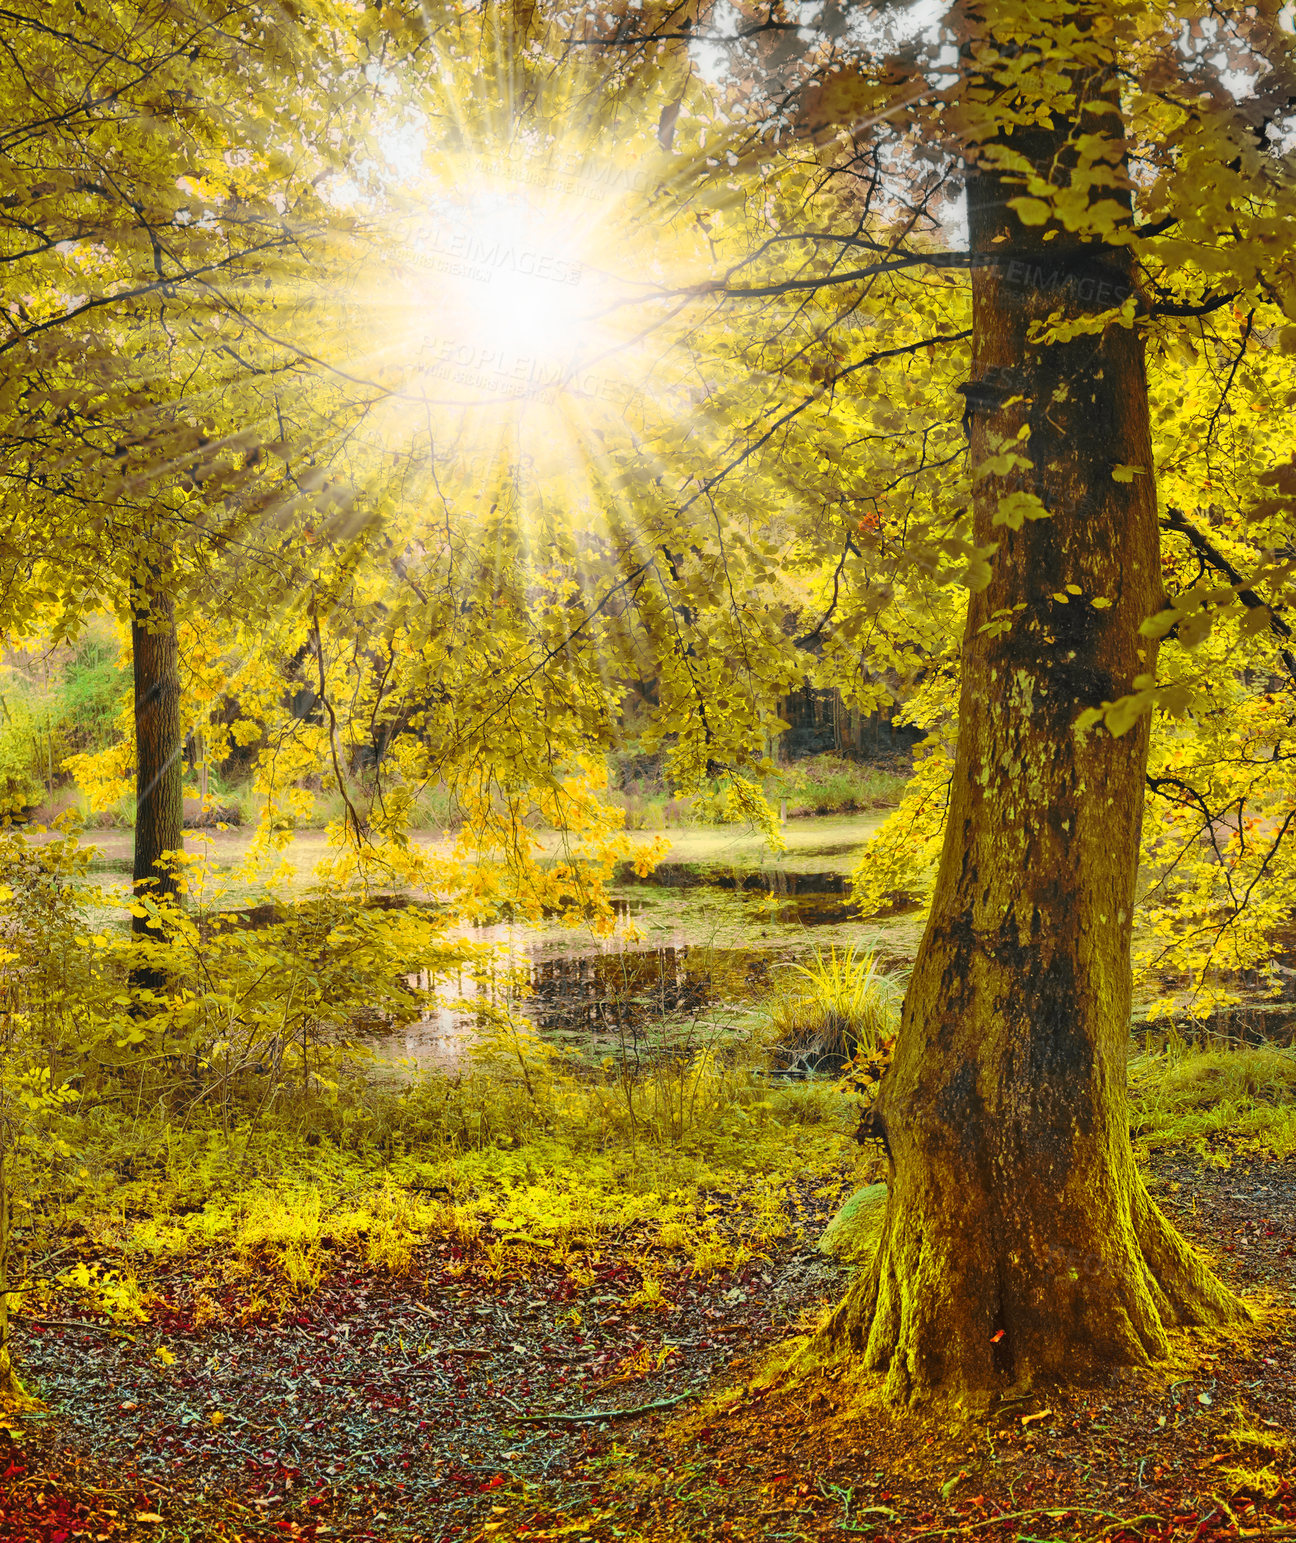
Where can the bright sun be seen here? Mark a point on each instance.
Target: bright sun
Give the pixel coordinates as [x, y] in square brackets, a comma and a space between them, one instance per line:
[513, 310]
[506, 297]
[531, 273]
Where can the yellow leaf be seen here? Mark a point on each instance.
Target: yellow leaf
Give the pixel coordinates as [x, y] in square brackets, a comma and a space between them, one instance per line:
[1030, 211]
[1014, 508]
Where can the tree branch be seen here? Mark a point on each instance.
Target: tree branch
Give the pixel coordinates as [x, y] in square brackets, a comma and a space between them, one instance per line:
[1176, 520]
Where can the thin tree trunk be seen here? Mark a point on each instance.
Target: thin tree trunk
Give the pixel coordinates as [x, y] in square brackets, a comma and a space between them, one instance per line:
[159, 785]
[10, 1387]
[1019, 1241]
[13, 1395]
[204, 771]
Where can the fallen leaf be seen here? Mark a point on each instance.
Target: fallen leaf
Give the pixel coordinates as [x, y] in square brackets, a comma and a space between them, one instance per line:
[1031, 1419]
[147, 1516]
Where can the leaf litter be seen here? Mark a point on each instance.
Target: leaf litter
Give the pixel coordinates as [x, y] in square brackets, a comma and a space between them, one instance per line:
[444, 1409]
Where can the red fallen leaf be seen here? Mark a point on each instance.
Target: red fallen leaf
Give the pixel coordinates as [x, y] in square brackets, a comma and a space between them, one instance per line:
[494, 1483]
[316, 1500]
[996, 1336]
[61, 1536]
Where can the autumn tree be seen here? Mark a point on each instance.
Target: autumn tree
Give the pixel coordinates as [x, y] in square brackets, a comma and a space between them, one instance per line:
[158, 200]
[1019, 1240]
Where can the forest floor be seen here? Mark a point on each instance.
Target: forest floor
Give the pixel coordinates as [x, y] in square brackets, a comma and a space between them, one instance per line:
[397, 1409]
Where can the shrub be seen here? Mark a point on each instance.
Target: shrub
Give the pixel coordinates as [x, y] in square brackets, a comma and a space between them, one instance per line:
[20, 786]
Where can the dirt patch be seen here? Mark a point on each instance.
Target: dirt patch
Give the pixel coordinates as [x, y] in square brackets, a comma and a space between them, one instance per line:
[1200, 1451]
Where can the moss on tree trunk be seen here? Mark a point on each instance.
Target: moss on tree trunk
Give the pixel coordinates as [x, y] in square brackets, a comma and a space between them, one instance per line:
[1019, 1241]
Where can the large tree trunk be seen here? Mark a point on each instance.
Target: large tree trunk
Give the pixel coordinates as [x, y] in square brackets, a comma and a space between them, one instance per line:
[1019, 1241]
[159, 784]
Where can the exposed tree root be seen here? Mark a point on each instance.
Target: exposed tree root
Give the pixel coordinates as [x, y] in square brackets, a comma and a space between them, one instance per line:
[943, 1314]
[14, 1397]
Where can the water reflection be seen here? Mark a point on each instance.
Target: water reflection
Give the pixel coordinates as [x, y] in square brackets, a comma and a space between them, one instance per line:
[615, 997]
[617, 994]
[768, 881]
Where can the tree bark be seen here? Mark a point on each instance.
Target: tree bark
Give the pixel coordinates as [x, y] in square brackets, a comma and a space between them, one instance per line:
[159, 784]
[13, 1395]
[1020, 1243]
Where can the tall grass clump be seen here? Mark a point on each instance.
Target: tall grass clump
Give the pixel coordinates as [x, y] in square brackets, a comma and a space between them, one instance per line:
[839, 1006]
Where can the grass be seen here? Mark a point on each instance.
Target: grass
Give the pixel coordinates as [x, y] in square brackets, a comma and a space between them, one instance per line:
[235, 805]
[432, 809]
[514, 1177]
[268, 1219]
[818, 785]
[1214, 1100]
[826, 784]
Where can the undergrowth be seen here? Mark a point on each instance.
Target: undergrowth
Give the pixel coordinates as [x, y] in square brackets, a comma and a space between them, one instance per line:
[1215, 1099]
[821, 784]
[515, 1177]
[270, 1217]
[235, 1131]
